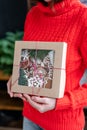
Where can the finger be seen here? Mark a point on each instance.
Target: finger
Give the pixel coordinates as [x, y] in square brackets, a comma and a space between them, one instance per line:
[39, 99]
[37, 106]
[29, 99]
[19, 96]
[26, 96]
[35, 98]
[9, 87]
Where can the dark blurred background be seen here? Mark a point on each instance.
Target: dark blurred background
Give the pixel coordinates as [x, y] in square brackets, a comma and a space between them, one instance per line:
[12, 15]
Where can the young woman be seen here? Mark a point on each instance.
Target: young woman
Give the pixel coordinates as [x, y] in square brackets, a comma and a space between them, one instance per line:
[58, 20]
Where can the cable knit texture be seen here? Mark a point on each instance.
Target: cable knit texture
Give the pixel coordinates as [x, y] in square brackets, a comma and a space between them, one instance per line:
[66, 21]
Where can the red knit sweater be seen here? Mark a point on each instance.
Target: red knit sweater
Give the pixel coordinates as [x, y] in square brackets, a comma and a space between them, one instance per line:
[66, 22]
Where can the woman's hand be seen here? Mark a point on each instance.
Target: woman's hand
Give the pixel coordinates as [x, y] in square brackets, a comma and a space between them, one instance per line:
[42, 104]
[9, 85]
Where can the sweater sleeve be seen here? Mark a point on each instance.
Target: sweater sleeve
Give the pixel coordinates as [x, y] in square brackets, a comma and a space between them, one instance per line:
[76, 98]
[73, 99]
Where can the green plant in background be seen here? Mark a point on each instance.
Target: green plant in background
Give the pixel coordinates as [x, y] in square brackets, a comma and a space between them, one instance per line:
[7, 51]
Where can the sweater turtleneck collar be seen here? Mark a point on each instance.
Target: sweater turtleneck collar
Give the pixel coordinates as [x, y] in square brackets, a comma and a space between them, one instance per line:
[58, 8]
